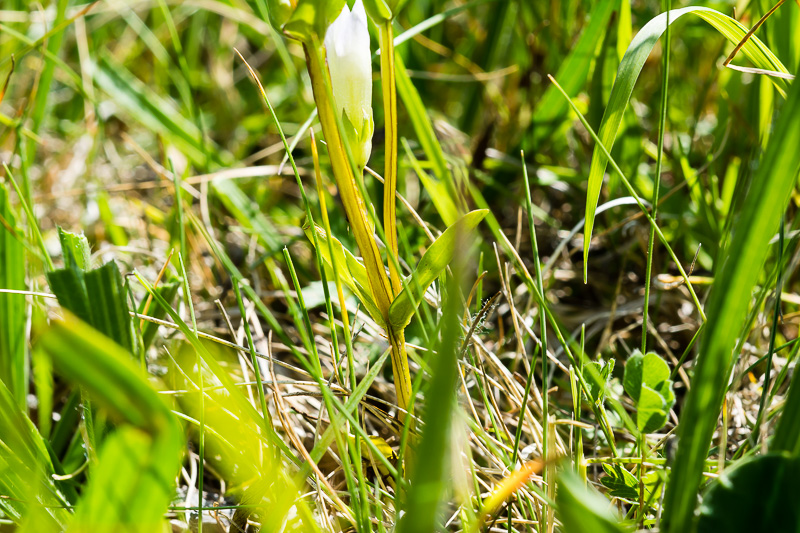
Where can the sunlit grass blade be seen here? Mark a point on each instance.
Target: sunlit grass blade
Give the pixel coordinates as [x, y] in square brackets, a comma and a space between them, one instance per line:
[739, 270]
[257, 477]
[148, 465]
[431, 459]
[168, 292]
[13, 362]
[146, 451]
[26, 469]
[225, 379]
[628, 73]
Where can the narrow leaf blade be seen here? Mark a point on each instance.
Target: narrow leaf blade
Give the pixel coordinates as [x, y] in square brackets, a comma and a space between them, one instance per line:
[433, 263]
[628, 73]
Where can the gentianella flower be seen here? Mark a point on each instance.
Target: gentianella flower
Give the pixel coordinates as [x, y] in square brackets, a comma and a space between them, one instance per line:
[350, 66]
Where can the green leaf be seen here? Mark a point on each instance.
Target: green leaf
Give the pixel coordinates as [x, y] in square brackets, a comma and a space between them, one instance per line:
[97, 297]
[26, 469]
[582, 509]
[760, 494]
[629, 69]
[76, 250]
[70, 288]
[651, 410]
[619, 482]
[145, 452]
[597, 376]
[649, 370]
[352, 272]
[279, 12]
[653, 482]
[382, 11]
[433, 262]
[13, 362]
[647, 382]
[109, 304]
[311, 19]
[738, 270]
[396, 5]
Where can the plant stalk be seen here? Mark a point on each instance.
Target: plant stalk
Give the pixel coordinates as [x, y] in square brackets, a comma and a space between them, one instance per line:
[358, 216]
[390, 170]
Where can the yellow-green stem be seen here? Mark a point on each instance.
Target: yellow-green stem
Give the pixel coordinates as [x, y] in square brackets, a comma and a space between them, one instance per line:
[402, 376]
[390, 170]
[352, 200]
[357, 215]
[340, 292]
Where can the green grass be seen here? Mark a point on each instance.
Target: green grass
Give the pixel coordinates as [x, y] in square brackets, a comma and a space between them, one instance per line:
[209, 320]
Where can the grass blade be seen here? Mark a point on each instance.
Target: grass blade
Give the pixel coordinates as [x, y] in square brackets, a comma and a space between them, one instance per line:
[429, 480]
[574, 70]
[153, 111]
[26, 469]
[445, 204]
[628, 73]
[351, 271]
[13, 363]
[583, 510]
[145, 452]
[740, 269]
[247, 212]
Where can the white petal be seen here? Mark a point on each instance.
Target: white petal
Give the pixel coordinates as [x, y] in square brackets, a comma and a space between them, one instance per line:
[350, 64]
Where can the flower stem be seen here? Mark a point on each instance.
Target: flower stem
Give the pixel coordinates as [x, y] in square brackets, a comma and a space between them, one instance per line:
[357, 215]
[353, 202]
[390, 172]
[402, 376]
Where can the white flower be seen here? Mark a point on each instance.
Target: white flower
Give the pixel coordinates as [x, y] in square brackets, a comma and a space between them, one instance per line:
[350, 66]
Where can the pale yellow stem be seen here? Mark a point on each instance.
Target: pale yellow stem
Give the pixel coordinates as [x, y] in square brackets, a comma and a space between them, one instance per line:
[390, 170]
[358, 217]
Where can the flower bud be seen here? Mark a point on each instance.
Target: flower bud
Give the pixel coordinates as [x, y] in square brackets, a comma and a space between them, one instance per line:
[303, 19]
[350, 66]
[279, 12]
[383, 10]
